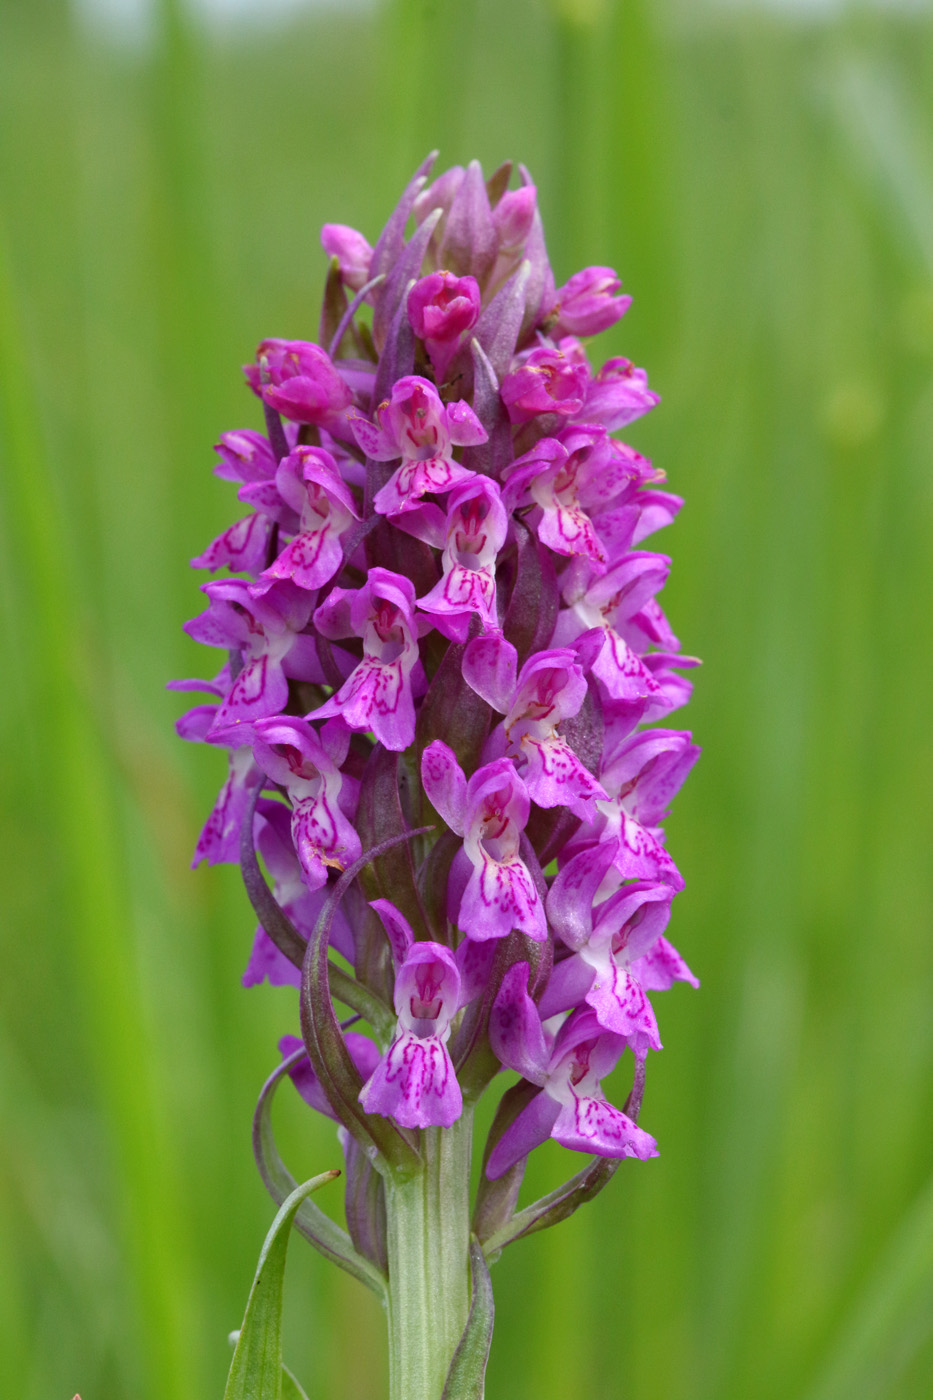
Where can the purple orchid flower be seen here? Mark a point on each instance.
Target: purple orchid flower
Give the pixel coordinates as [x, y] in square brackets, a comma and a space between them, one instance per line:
[641, 778]
[352, 252]
[574, 478]
[415, 425]
[618, 395]
[571, 1107]
[550, 688]
[619, 952]
[290, 752]
[414, 1081]
[442, 309]
[608, 601]
[379, 694]
[245, 456]
[448, 603]
[474, 533]
[219, 841]
[268, 634]
[298, 379]
[587, 303]
[490, 812]
[309, 482]
[547, 380]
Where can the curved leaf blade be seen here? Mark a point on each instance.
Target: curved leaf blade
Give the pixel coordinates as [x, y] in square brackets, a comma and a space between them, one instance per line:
[256, 1368]
[317, 1227]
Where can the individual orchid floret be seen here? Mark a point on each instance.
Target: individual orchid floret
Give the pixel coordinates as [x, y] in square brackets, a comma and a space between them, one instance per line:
[475, 532]
[571, 1107]
[352, 252]
[245, 456]
[490, 812]
[618, 395]
[415, 425]
[587, 303]
[573, 479]
[550, 688]
[442, 309]
[547, 381]
[620, 717]
[298, 379]
[641, 777]
[608, 601]
[513, 216]
[290, 752]
[378, 695]
[616, 945]
[266, 632]
[309, 482]
[414, 1082]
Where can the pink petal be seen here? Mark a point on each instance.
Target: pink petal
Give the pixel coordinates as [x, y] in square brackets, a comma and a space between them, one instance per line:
[444, 783]
[415, 1084]
[592, 1125]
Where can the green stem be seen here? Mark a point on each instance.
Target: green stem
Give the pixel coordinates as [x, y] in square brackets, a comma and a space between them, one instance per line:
[428, 1232]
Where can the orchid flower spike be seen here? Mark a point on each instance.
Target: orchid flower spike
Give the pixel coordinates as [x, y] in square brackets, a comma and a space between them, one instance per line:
[444, 664]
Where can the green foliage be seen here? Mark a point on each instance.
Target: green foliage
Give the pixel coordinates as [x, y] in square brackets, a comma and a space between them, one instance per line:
[764, 186]
[256, 1371]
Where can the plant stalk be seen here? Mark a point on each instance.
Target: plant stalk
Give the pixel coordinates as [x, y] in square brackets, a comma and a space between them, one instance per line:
[428, 1236]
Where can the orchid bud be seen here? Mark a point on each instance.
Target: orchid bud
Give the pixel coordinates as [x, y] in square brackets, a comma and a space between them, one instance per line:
[513, 217]
[587, 303]
[441, 307]
[298, 380]
[352, 252]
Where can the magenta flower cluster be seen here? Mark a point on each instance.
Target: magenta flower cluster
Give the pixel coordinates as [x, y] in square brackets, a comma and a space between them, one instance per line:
[446, 685]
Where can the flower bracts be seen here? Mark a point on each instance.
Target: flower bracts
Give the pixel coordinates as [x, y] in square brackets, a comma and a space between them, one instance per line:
[442, 641]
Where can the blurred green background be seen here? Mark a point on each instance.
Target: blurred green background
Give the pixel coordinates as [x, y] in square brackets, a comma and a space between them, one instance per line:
[762, 176]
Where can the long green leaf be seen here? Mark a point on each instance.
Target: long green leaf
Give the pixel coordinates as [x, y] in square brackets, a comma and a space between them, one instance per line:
[256, 1369]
